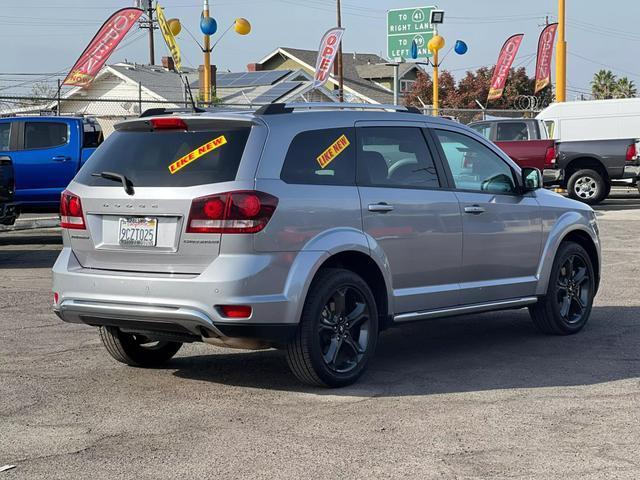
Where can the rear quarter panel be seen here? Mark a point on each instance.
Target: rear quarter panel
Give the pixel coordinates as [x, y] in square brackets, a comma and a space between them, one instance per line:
[610, 153]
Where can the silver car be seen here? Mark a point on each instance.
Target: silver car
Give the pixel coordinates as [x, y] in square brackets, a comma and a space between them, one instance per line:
[311, 228]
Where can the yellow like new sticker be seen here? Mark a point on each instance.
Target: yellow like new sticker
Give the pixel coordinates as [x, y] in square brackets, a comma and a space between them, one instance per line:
[336, 148]
[197, 153]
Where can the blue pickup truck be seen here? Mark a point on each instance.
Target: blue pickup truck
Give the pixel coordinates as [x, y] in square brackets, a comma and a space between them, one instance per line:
[42, 154]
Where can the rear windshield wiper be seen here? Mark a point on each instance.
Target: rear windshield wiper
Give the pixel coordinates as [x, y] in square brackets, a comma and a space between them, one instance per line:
[117, 177]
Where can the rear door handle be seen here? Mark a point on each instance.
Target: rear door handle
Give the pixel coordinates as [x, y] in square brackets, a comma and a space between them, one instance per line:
[474, 209]
[381, 207]
[60, 158]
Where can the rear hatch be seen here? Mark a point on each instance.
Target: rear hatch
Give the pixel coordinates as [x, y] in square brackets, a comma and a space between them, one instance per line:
[164, 169]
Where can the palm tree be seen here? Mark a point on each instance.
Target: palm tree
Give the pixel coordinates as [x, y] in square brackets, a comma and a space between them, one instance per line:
[603, 85]
[625, 88]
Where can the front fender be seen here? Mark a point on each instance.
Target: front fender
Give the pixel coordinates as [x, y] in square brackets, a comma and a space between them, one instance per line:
[316, 252]
[565, 224]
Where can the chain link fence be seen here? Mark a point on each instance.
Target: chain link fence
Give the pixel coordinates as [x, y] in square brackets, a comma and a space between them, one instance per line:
[108, 111]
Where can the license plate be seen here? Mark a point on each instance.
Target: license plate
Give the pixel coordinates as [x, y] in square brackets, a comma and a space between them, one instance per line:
[138, 232]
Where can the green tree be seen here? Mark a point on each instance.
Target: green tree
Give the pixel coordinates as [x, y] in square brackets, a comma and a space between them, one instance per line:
[625, 88]
[604, 85]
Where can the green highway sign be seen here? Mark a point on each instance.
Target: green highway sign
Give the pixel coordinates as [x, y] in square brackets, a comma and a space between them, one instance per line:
[404, 25]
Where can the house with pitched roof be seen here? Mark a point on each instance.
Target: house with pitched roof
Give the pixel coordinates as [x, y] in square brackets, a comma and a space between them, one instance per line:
[367, 78]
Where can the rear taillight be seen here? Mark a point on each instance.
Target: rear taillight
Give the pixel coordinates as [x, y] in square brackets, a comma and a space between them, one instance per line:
[632, 153]
[71, 211]
[550, 156]
[168, 123]
[231, 212]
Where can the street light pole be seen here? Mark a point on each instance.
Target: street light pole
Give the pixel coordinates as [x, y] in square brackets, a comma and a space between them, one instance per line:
[207, 59]
[561, 55]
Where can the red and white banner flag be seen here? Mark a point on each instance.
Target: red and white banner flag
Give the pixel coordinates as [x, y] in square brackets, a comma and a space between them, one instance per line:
[327, 55]
[102, 46]
[545, 51]
[505, 60]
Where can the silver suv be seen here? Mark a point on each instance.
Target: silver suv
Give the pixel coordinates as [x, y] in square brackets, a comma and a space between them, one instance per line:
[311, 228]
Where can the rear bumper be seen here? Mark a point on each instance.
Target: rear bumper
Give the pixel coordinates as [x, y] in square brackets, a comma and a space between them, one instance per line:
[180, 304]
[631, 171]
[552, 175]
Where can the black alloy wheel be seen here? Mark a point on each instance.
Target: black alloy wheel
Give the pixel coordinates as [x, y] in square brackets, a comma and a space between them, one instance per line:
[344, 329]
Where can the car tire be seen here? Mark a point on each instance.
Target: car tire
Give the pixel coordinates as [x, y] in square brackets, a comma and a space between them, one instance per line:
[566, 307]
[587, 186]
[338, 330]
[137, 350]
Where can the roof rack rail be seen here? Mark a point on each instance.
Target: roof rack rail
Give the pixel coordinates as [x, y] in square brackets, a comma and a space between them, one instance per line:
[154, 112]
[279, 108]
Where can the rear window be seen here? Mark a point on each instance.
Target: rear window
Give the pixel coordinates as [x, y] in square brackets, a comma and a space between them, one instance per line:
[512, 131]
[168, 159]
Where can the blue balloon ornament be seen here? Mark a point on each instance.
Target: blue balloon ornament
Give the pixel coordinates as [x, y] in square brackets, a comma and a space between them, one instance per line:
[208, 25]
[414, 50]
[460, 47]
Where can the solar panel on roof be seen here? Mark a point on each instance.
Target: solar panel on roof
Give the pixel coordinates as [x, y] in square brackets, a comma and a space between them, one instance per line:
[250, 79]
[276, 92]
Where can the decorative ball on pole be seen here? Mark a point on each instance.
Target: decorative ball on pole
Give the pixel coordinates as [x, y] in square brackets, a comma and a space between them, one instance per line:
[208, 25]
[242, 26]
[460, 47]
[175, 26]
[436, 43]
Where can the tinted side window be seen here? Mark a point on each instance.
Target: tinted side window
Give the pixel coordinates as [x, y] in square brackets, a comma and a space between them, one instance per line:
[321, 157]
[5, 135]
[45, 134]
[473, 165]
[512, 131]
[395, 157]
[483, 129]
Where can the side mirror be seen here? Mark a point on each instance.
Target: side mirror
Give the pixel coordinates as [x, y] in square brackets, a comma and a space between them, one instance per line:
[531, 179]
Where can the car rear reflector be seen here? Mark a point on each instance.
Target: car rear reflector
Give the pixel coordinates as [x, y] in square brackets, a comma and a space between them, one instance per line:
[71, 215]
[235, 311]
[231, 212]
[168, 123]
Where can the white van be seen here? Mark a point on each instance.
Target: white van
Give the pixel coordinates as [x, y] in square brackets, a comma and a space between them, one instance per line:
[593, 120]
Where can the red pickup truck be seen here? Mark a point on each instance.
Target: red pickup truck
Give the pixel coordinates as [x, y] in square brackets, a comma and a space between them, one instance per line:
[525, 140]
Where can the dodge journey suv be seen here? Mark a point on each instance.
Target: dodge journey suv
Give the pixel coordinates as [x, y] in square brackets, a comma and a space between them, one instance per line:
[311, 228]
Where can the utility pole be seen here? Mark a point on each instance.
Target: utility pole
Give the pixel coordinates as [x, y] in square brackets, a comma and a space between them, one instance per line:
[561, 55]
[150, 24]
[340, 64]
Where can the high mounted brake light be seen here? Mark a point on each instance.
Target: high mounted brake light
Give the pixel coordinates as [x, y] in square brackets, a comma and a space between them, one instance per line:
[231, 212]
[168, 123]
[71, 215]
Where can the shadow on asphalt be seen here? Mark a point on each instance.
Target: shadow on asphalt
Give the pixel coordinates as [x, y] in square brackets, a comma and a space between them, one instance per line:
[619, 202]
[463, 354]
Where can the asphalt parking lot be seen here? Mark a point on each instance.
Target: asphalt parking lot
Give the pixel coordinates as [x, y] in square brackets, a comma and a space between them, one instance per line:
[481, 396]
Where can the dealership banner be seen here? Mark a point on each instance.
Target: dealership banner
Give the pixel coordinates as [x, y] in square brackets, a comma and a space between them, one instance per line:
[545, 51]
[505, 60]
[327, 55]
[169, 39]
[102, 46]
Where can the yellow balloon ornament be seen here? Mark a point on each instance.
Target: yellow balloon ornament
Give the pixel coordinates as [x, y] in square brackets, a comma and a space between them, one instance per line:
[242, 26]
[436, 43]
[175, 26]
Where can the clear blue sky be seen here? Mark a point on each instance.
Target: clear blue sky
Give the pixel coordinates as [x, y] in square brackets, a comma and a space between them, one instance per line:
[48, 35]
